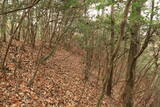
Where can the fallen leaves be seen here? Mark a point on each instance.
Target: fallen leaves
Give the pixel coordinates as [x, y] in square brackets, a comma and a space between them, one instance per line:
[59, 82]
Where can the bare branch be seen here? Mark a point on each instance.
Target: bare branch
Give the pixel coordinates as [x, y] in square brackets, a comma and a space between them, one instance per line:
[148, 34]
[19, 9]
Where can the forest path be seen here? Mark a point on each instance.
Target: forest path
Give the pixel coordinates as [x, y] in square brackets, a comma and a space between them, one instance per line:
[59, 83]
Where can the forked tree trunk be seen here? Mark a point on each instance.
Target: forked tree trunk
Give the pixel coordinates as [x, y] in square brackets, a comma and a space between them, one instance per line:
[131, 67]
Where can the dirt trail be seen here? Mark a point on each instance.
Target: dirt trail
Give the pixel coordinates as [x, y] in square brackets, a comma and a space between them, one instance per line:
[59, 83]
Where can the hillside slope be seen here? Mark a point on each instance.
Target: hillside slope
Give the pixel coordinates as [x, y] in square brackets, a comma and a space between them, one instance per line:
[59, 82]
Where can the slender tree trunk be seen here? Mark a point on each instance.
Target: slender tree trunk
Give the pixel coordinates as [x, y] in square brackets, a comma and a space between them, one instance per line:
[4, 21]
[134, 49]
[11, 39]
[111, 62]
[54, 30]
[115, 51]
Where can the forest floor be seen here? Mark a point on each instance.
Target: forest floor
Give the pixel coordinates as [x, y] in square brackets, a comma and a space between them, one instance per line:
[59, 82]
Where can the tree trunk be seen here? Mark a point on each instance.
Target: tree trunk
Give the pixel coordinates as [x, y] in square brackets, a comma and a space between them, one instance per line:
[109, 85]
[4, 21]
[134, 45]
